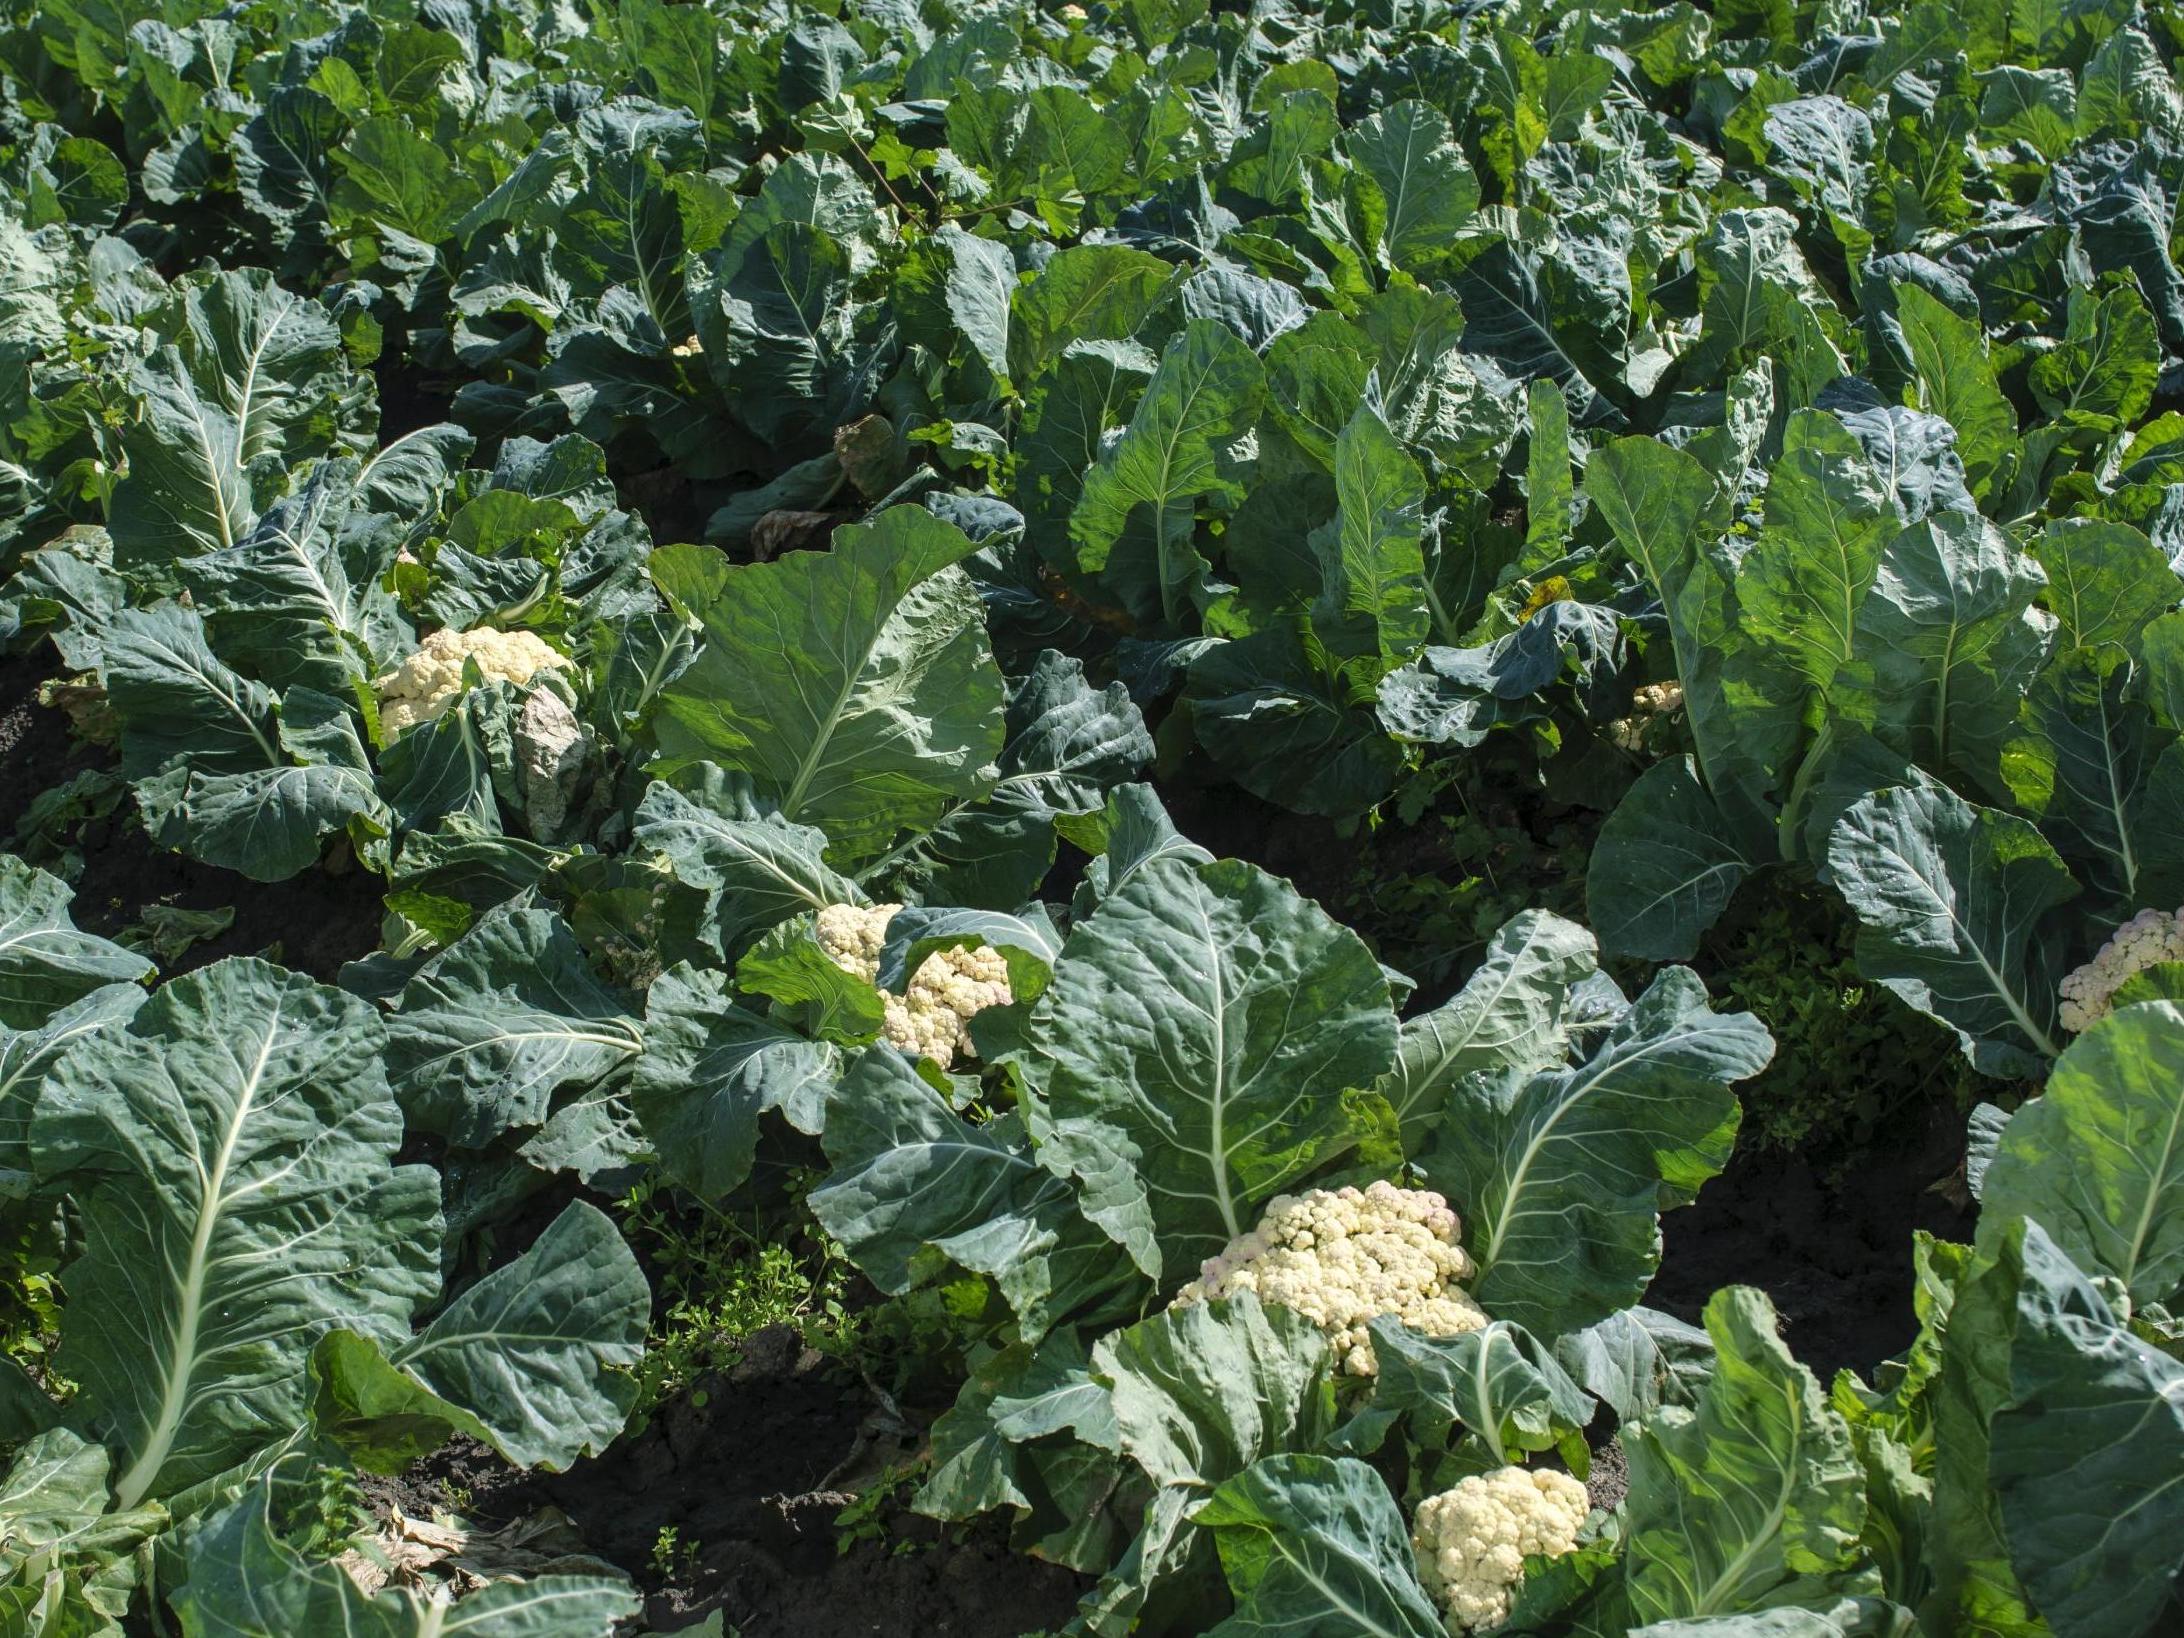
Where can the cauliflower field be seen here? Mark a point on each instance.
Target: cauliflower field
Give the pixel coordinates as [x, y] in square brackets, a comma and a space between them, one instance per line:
[1165, 818]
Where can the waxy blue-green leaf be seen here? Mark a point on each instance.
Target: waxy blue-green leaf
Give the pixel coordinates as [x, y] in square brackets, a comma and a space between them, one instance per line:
[1499, 1383]
[1956, 381]
[915, 1188]
[1206, 392]
[2098, 1157]
[27, 1054]
[1193, 1053]
[245, 389]
[1563, 1173]
[536, 1359]
[494, 1025]
[46, 964]
[1412, 188]
[719, 837]
[855, 686]
[710, 1069]
[1664, 868]
[232, 1146]
[1510, 1014]
[1755, 1498]
[1315, 1547]
[1954, 901]
[1953, 640]
[1201, 1392]
[245, 1580]
[2086, 1445]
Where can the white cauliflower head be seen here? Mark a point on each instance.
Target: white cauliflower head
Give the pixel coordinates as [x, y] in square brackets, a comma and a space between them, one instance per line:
[931, 1018]
[2146, 940]
[423, 686]
[1471, 1542]
[1340, 1257]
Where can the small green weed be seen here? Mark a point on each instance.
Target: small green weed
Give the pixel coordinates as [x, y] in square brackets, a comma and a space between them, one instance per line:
[718, 1279]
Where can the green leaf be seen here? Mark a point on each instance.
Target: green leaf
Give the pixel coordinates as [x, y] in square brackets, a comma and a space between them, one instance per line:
[1372, 611]
[1639, 1360]
[1085, 293]
[232, 1150]
[536, 1359]
[1202, 1392]
[491, 1027]
[1952, 641]
[1957, 382]
[756, 868]
[710, 1069]
[1206, 392]
[245, 1581]
[916, 1187]
[1413, 189]
[2108, 363]
[1953, 900]
[1664, 868]
[1193, 1050]
[1498, 1382]
[2098, 1157]
[245, 389]
[2086, 1448]
[1508, 1015]
[854, 686]
[46, 965]
[1563, 1173]
[27, 1054]
[2106, 583]
[1754, 1499]
[1314, 1547]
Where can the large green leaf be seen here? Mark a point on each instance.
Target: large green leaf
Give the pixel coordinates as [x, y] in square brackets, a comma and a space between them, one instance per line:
[246, 388]
[710, 1069]
[536, 1359]
[1954, 902]
[1206, 392]
[1498, 1383]
[2086, 1448]
[1754, 1499]
[1508, 1015]
[1193, 1053]
[854, 686]
[26, 1055]
[721, 838]
[2098, 1157]
[1665, 866]
[1414, 191]
[45, 963]
[494, 1025]
[231, 1148]
[246, 1581]
[1314, 1547]
[1953, 640]
[915, 1187]
[1202, 1392]
[1561, 1174]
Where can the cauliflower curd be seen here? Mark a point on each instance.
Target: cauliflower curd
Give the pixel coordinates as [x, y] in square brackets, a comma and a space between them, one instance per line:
[2146, 940]
[931, 1018]
[1340, 1257]
[423, 686]
[1471, 1542]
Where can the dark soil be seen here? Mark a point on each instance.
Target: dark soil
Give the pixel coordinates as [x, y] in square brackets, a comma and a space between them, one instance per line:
[750, 1471]
[313, 922]
[1834, 1254]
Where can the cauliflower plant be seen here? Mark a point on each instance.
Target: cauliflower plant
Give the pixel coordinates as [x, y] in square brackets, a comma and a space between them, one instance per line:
[1471, 1542]
[1340, 1257]
[423, 686]
[2146, 940]
[931, 1018]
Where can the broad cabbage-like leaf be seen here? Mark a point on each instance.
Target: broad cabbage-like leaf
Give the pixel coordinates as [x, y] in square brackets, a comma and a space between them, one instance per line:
[1193, 1054]
[855, 686]
[231, 1147]
[1560, 1175]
